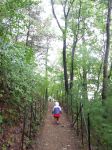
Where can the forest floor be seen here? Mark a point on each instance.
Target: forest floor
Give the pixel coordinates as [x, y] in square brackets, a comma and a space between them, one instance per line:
[57, 137]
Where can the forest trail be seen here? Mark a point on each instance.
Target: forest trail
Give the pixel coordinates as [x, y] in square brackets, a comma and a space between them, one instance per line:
[57, 137]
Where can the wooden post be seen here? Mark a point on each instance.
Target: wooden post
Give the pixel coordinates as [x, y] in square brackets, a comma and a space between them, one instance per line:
[89, 140]
[71, 106]
[30, 131]
[23, 132]
[77, 120]
[81, 124]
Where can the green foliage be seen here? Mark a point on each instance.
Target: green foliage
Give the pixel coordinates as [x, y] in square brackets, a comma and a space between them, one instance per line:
[101, 123]
[9, 9]
[22, 89]
[18, 72]
[21, 85]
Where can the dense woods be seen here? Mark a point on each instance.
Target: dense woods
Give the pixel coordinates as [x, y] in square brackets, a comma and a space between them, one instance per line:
[81, 78]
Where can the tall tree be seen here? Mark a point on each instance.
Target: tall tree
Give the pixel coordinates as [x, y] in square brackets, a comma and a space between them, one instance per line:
[67, 5]
[75, 40]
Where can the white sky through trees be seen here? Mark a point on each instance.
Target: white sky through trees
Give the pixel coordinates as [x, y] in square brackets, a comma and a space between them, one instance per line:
[55, 44]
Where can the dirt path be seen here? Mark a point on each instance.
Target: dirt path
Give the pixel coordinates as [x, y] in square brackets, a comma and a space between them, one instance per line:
[57, 137]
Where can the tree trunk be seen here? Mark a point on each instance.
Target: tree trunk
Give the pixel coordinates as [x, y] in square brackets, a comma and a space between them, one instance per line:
[85, 91]
[27, 35]
[105, 66]
[72, 64]
[64, 32]
[46, 71]
[110, 72]
[65, 66]
[74, 48]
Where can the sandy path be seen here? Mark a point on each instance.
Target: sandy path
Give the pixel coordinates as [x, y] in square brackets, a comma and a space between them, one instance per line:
[57, 137]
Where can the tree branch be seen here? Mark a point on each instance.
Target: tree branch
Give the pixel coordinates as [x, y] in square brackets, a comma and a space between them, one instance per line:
[52, 4]
[64, 8]
[71, 3]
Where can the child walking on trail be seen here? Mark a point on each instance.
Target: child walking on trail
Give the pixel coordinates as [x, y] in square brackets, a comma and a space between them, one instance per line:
[56, 112]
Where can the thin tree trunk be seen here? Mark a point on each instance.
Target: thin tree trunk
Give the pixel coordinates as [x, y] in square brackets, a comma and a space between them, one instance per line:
[64, 33]
[28, 34]
[46, 72]
[23, 130]
[85, 91]
[31, 113]
[65, 66]
[74, 48]
[110, 72]
[72, 64]
[98, 80]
